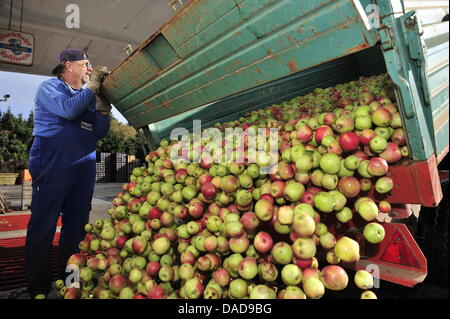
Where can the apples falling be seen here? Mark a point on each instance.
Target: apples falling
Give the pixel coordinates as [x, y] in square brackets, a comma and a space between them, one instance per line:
[218, 230]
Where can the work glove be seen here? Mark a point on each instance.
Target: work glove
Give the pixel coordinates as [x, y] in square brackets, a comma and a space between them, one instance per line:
[102, 104]
[96, 78]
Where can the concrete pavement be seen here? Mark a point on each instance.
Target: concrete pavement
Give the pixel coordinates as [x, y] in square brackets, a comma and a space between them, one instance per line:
[104, 193]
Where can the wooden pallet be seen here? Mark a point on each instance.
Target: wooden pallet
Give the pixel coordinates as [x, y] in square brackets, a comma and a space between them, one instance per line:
[3, 205]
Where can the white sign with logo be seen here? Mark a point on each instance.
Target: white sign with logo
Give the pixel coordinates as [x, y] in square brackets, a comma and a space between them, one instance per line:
[16, 47]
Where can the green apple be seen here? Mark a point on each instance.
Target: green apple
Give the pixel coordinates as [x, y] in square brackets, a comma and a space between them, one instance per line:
[331, 258]
[303, 224]
[304, 248]
[383, 132]
[362, 169]
[325, 202]
[294, 191]
[363, 122]
[327, 240]
[347, 249]
[320, 229]
[374, 233]
[316, 177]
[330, 163]
[378, 144]
[384, 185]
[363, 110]
[286, 155]
[339, 199]
[363, 279]
[351, 162]
[281, 253]
[368, 295]
[296, 152]
[316, 156]
[304, 163]
[291, 275]
[285, 215]
[344, 171]
[344, 215]
[304, 208]
[313, 288]
[253, 170]
[282, 229]
[330, 181]
[368, 210]
[360, 200]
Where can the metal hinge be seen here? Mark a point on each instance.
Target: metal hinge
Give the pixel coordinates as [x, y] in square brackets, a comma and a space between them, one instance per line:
[387, 38]
[417, 50]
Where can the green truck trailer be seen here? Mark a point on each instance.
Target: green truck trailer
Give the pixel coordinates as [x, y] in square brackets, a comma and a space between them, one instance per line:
[218, 60]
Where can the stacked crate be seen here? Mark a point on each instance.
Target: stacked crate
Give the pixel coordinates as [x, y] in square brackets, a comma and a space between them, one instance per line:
[121, 168]
[103, 168]
[115, 167]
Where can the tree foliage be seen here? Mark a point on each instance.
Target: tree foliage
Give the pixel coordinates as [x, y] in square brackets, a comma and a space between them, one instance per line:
[15, 141]
[121, 138]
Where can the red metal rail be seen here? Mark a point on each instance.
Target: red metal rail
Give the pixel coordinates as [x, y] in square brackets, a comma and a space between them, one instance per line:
[415, 182]
[16, 222]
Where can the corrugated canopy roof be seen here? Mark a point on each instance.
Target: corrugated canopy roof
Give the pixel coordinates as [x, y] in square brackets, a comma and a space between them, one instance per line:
[106, 28]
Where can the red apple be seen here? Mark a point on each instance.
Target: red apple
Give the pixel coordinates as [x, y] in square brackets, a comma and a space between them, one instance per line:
[263, 242]
[349, 141]
[334, 277]
[349, 186]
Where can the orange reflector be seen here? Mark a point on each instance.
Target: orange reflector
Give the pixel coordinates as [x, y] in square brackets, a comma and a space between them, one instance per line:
[26, 175]
[399, 252]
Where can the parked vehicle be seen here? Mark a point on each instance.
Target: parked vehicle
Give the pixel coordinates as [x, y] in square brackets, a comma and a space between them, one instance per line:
[215, 61]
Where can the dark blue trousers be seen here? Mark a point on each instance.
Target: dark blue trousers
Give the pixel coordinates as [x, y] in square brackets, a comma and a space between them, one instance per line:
[63, 173]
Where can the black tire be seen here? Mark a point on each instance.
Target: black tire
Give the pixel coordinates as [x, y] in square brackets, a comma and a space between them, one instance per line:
[432, 237]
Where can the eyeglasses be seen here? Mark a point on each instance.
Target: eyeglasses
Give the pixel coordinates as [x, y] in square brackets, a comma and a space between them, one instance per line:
[85, 64]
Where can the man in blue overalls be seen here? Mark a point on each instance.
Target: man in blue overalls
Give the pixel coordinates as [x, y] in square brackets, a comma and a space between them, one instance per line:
[68, 122]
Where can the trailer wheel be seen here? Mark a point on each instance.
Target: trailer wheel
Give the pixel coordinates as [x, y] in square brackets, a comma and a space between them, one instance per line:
[432, 237]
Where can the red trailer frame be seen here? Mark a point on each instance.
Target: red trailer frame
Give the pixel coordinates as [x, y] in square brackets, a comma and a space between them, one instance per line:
[398, 258]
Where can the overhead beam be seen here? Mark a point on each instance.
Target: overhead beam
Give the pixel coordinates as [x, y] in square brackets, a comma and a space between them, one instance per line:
[56, 28]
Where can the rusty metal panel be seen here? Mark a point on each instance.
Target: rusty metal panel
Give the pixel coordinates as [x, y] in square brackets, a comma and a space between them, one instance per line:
[272, 40]
[134, 73]
[162, 52]
[197, 16]
[214, 31]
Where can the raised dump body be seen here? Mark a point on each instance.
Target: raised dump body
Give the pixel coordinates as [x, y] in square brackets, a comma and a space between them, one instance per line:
[215, 60]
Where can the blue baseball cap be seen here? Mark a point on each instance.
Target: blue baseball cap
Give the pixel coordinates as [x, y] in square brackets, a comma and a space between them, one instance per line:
[69, 55]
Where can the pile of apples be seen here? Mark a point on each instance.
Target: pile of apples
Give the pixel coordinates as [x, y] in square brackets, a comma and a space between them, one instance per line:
[225, 230]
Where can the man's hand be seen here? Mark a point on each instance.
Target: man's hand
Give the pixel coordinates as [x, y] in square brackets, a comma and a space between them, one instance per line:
[96, 78]
[102, 104]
